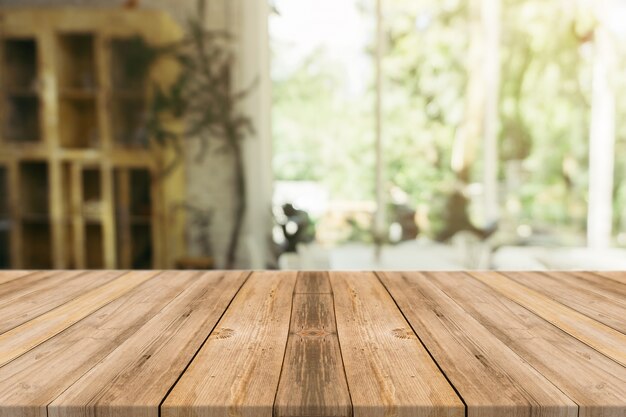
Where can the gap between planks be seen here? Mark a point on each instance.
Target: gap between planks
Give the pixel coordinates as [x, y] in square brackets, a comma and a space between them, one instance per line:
[306, 293]
[592, 380]
[10, 275]
[600, 337]
[26, 336]
[124, 359]
[313, 380]
[53, 289]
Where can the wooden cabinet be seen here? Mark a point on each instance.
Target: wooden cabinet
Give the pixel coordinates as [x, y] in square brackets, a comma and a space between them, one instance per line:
[80, 183]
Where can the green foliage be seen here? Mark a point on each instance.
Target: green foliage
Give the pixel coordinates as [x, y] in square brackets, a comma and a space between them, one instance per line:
[317, 131]
[547, 52]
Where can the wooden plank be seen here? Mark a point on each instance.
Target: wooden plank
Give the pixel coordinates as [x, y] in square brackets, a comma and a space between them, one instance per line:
[602, 338]
[578, 294]
[313, 381]
[593, 381]
[388, 370]
[6, 276]
[134, 379]
[32, 381]
[50, 294]
[236, 372]
[310, 282]
[618, 276]
[596, 283]
[40, 280]
[23, 338]
[492, 380]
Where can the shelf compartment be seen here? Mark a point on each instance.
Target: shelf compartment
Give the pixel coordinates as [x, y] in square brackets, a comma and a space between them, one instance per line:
[92, 195]
[4, 194]
[77, 94]
[5, 221]
[129, 121]
[141, 238]
[130, 62]
[79, 123]
[21, 118]
[20, 64]
[140, 193]
[133, 208]
[5, 248]
[94, 247]
[34, 191]
[36, 245]
[77, 61]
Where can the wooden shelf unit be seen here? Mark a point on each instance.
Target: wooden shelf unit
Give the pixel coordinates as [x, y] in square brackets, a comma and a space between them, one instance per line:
[5, 220]
[80, 183]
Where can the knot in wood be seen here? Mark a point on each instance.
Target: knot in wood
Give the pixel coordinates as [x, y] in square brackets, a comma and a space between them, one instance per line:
[312, 333]
[223, 333]
[403, 333]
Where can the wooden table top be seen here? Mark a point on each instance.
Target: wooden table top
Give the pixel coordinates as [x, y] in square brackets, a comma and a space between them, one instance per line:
[204, 344]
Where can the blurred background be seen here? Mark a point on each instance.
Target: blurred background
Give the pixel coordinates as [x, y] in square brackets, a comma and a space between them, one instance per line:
[301, 134]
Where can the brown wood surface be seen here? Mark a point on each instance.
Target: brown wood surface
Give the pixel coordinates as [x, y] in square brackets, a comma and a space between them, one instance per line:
[13, 288]
[574, 291]
[313, 283]
[613, 288]
[492, 379]
[33, 380]
[23, 338]
[58, 288]
[136, 376]
[601, 337]
[313, 344]
[237, 371]
[389, 371]
[7, 276]
[617, 276]
[592, 380]
[313, 382]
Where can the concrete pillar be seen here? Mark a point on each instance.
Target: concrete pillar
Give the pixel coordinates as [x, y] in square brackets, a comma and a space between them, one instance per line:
[492, 21]
[602, 137]
[253, 68]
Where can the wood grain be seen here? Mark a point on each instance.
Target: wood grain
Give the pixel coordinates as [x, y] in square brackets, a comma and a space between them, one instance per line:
[134, 378]
[15, 288]
[236, 372]
[311, 282]
[388, 370]
[6, 276]
[617, 276]
[48, 294]
[611, 288]
[23, 338]
[313, 381]
[593, 381]
[492, 380]
[311, 344]
[32, 381]
[578, 294]
[602, 338]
